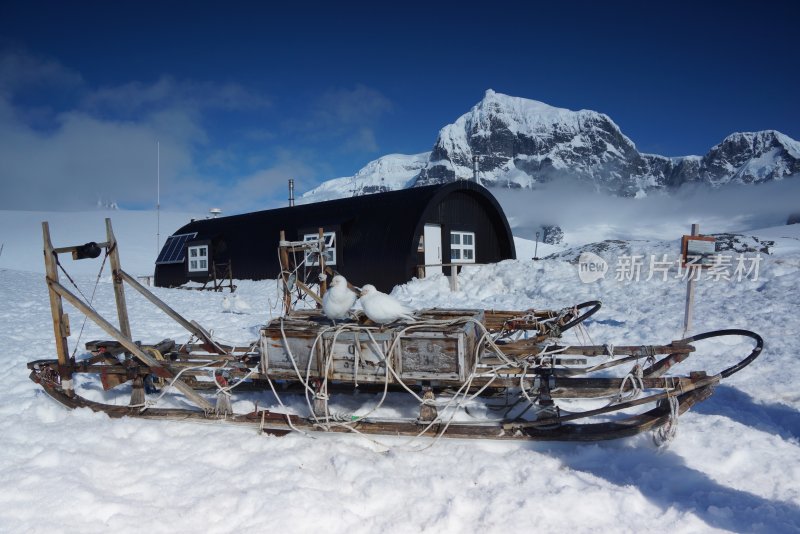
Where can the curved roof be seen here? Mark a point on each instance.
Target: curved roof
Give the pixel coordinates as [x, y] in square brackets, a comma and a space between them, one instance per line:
[383, 225]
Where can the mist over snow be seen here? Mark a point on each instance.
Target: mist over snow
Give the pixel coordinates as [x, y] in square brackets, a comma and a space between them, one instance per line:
[136, 231]
[587, 216]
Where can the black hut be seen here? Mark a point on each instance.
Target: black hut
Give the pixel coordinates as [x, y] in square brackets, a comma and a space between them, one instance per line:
[380, 239]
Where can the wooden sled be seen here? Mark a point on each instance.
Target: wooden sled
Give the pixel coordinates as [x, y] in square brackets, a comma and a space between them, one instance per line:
[453, 373]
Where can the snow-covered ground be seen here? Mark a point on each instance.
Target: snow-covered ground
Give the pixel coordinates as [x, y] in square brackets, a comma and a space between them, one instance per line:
[733, 466]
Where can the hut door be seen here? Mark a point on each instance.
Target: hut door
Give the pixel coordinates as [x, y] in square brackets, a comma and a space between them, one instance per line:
[433, 249]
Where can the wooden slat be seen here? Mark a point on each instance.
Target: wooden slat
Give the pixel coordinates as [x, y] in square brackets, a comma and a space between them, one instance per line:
[175, 316]
[281, 424]
[119, 288]
[145, 358]
[56, 307]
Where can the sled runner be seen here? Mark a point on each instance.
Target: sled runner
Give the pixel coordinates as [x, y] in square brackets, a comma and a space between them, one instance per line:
[450, 373]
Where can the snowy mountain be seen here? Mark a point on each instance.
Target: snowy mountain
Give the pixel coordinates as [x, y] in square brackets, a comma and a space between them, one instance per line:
[752, 157]
[521, 142]
[388, 173]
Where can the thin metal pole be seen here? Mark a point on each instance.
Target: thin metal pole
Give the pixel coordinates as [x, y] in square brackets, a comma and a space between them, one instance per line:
[687, 315]
[158, 197]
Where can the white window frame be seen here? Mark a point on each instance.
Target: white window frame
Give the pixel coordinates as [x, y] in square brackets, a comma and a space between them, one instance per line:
[459, 248]
[197, 263]
[330, 248]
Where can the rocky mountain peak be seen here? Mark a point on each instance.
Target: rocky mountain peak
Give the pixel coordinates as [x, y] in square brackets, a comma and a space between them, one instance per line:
[520, 142]
[751, 157]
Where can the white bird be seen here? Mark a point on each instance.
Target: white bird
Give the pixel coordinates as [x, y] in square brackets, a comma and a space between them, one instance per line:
[226, 304]
[239, 304]
[338, 299]
[383, 308]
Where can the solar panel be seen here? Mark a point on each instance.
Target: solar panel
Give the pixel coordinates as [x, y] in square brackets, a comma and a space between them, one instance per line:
[174, 250]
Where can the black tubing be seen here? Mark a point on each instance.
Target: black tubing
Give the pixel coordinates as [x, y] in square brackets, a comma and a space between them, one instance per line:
[595, 304]
[733, 332]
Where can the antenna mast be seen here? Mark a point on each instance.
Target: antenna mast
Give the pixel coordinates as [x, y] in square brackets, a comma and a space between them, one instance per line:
[158, 197]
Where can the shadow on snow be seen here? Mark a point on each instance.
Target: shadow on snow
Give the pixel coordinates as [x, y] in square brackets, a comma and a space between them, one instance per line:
[664, 479]
[738, 406]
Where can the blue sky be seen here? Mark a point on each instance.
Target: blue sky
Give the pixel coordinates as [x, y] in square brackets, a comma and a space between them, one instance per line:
[242, 96]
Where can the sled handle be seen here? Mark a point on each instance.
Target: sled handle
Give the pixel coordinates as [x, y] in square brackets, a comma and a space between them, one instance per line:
[595, 306]
[732, 332]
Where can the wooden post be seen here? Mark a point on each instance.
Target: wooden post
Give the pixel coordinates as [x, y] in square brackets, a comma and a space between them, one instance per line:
[60, 329]
[175, 316]
[454, 277]
[119, 288]
[155, 366]
[687, 315]
[323, 284]
[284, 259]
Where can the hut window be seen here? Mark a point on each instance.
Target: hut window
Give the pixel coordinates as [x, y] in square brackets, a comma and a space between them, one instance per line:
[462, 247]
[330, 248]
[198, 258]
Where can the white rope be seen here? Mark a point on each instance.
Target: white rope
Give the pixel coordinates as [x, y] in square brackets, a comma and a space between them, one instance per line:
[636, 380]
[150, 404]
[666, 433]
[447, 409]
[452, 406]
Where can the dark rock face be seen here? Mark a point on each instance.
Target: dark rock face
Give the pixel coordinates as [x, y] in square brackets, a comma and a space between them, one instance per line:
[742, 243]
[754, 157]
[794, 218]
[552, 234]
[522, 142]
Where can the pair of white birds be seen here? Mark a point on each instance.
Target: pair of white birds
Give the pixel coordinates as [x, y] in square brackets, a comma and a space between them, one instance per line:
[379, 307]
[234, 304]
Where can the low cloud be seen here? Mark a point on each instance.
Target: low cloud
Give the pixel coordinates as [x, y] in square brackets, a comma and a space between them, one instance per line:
[86, 158]
[101, 143]
[358, 106]
[595, 216]
[168, 92]
[20, 69]
[348, 116]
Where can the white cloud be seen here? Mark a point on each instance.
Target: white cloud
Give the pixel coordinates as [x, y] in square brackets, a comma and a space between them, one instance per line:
[346, 115]
[104, 145]
[86, 157]
[362, 140]
[20, 69]
[358, 106]
[166, 91]
[267, 188]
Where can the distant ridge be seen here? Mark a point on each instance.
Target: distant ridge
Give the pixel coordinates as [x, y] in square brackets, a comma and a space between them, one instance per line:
[521, 143]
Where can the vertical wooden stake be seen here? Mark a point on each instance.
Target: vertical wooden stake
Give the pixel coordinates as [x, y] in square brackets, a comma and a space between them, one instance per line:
[323, 284]
[284, 259]
[687, 315]
[119, 288]
[57, 311]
